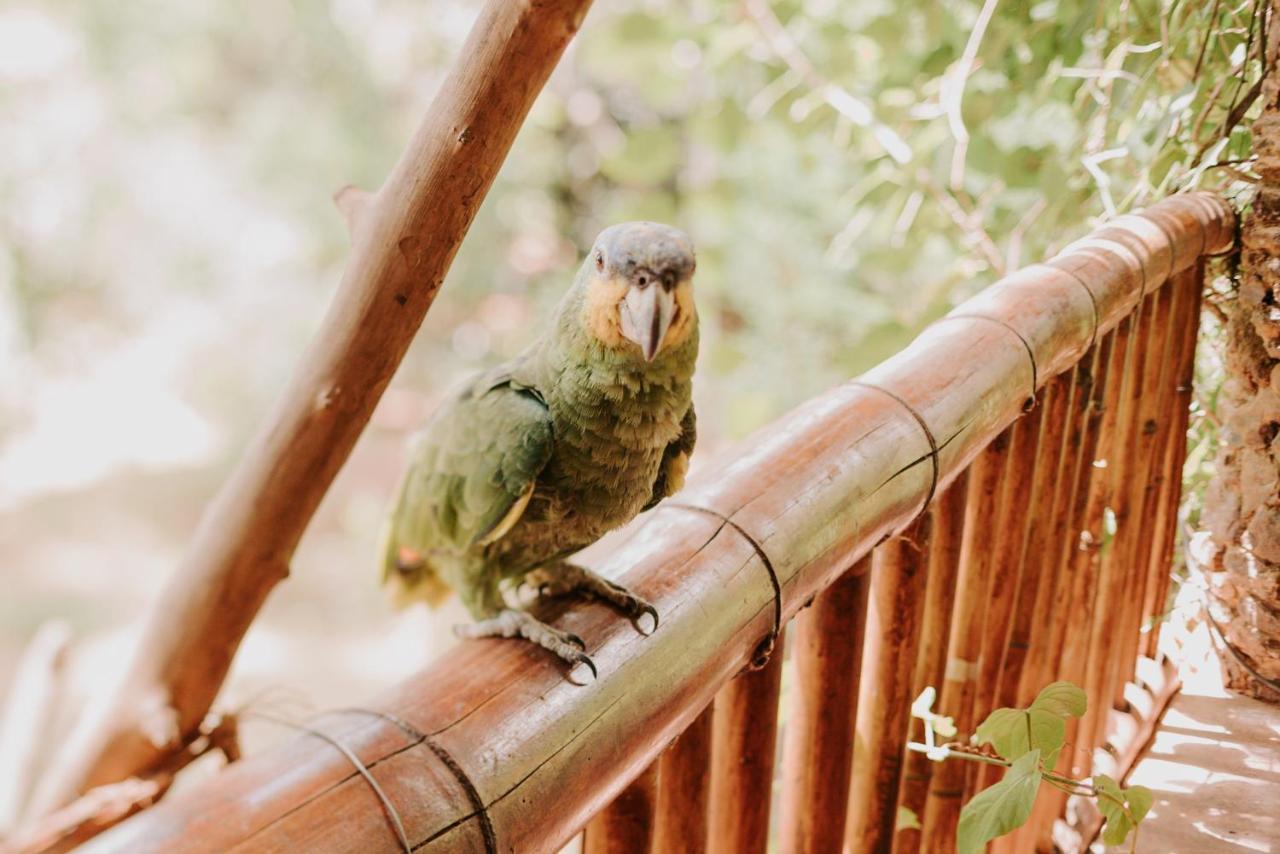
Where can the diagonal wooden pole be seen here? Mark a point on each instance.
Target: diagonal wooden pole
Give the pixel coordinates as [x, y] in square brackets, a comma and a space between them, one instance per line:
[404, 238]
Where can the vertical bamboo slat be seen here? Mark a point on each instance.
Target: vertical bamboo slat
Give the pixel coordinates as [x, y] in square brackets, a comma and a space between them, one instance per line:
[884, 694]
[826, 658]
[1068, 643]
[935, 627]
[1041, 661]
[942, 807]
[626, 825]
[1067, 646]
[1117, 420]
[1165, 521]
[1158, 419]
[744, 734]
[684, 784]
[1132, 525]
[1007, 545]
[1049, 493]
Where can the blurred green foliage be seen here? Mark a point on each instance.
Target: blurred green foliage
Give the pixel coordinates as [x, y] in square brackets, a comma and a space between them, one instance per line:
[848, 170]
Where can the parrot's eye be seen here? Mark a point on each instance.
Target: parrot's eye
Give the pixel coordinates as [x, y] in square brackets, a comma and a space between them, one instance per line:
[599, 260]
[642, 281]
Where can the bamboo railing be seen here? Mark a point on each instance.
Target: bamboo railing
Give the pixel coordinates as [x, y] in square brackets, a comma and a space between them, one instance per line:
[940, 518]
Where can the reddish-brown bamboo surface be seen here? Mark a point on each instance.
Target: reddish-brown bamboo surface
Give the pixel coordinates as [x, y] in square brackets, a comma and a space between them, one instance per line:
[629, 824]
[884, 695]
[744, 737]
[944, 564]
[495, 749]
[684, 783]
[826, 658]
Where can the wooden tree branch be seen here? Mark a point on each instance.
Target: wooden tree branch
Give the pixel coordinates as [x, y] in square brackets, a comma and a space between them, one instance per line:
[494, 749]
[26, 713]
[406, 241]
[106, 806]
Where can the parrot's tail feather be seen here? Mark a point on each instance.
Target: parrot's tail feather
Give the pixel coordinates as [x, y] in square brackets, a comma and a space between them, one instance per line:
[407, 560]
[408, 574]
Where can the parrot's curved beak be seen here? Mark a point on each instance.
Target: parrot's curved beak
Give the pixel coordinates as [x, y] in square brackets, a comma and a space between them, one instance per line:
[646, 315]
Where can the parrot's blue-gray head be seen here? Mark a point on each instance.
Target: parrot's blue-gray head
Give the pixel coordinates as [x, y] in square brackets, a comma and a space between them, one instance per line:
[639, 288]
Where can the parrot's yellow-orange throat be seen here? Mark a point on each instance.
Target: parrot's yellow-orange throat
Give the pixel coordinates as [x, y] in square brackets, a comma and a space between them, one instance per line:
[602, 313]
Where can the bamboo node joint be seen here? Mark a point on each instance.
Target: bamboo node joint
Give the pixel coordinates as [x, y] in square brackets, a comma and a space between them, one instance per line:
[764, 649]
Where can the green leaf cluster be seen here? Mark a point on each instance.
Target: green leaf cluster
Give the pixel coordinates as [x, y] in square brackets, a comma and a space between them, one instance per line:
[1041, 726]
[1001, 808]
[1122, 808]
[1030, 739]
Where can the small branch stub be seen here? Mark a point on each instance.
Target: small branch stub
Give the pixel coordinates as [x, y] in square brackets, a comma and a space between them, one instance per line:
[353, 203]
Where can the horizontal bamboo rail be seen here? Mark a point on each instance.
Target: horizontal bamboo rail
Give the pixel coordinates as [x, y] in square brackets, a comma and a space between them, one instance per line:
[495, 749]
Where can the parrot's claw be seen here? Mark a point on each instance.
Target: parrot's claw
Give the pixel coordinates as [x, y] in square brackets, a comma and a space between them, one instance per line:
[511, 623]
[583, 658]
[563, 578]
[646, 608]
[631, 604]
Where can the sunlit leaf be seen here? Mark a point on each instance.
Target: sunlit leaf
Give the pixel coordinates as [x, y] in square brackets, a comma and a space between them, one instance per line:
[1139, 798]
[1000, 808]
[1061, 698]
[906, 819]
[1015, 732]
[1122, 808]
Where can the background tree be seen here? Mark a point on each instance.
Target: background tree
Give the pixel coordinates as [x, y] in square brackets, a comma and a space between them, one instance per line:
[1242, 508]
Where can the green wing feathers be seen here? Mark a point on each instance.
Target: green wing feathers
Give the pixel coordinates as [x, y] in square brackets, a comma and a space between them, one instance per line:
[675, 460]
[470, 473]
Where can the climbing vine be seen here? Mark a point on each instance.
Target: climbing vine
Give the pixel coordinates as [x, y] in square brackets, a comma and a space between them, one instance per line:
[1026, 742]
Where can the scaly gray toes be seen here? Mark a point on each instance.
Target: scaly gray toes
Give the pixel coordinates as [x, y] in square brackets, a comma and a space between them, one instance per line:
[566, 578]
[512, 623]
[627, 602]
[563, 645]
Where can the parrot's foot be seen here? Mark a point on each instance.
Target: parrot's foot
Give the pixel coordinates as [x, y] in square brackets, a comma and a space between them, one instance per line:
[511, 623]
[559, 579]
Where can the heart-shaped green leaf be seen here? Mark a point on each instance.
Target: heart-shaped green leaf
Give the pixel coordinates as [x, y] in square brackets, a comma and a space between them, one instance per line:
[1122, 808]
[1061, 698]
[1041, 726]
[1000, 808]
[1014, 732]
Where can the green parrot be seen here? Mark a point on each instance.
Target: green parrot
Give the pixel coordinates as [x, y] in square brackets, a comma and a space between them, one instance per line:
[539, 457]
